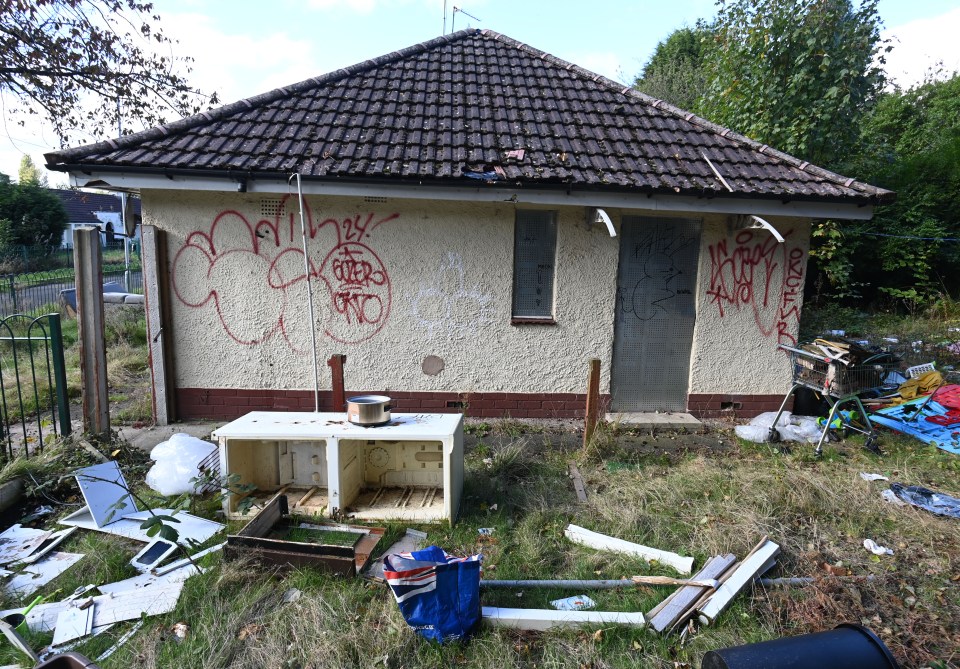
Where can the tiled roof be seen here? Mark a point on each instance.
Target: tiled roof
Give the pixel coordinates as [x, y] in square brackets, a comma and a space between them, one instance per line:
[458, 105]
[82, 205]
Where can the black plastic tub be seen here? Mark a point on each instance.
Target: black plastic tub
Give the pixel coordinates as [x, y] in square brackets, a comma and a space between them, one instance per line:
[847, 646]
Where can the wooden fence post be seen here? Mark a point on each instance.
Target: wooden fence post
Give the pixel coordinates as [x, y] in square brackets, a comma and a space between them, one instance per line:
[593, 400]
[88, 268]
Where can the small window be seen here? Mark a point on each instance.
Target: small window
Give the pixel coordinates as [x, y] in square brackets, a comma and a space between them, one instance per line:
[534, 259]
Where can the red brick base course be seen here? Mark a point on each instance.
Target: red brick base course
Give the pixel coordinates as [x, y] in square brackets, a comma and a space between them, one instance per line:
[742, 406]
[230, 403]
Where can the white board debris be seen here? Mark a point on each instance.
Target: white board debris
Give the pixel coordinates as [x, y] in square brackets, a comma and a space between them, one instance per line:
[106, 492]
[18, 542]
[584, 537]
[544, 619]
[35, 576]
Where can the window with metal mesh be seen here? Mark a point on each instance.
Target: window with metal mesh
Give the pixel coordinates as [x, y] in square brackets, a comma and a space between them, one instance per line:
[534, 260]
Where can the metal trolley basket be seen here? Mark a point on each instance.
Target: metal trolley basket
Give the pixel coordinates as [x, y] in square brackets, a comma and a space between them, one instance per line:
[840, 384]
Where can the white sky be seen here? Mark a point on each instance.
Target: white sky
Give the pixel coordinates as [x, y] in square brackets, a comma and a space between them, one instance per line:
[246, 47]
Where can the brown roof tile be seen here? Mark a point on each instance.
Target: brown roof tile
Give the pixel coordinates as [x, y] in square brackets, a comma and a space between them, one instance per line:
[399, 117]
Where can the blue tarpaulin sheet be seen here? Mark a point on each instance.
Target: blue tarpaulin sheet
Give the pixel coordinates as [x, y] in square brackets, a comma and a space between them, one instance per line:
[911, 418]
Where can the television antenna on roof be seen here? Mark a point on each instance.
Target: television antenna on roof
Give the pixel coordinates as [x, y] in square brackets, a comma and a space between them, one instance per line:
[453, 19]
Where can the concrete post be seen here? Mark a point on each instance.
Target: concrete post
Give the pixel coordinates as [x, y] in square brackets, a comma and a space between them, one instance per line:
[154, 244]
[88, 267]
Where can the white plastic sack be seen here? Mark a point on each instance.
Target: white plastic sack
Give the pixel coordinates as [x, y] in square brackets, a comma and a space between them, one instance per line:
[790, 428]
[177, 461]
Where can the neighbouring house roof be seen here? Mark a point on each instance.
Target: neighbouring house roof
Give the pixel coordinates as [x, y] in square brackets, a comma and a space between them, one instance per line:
[83, 206]
[463, 104]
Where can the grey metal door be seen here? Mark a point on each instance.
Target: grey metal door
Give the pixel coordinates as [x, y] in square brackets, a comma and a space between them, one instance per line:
[655, 313]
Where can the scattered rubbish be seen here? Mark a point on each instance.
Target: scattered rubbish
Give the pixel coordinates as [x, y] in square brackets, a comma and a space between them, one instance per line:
[438, 594]
[153, 554]
[678, 607]
[873, 477]
[545, 619]
[890, 496]
[845, 646]
[837, 333]
[38, 574]
[292, 595]
[919, 370]
[409, 542]
[122, 640]
[17, 641]
[515, 153]
[486, 531]
[757, 561]
[73, 623]
[37, 513]
[941, 427]
[577, 479]
[180, 631]
[492, 507]
[584, 537]
[106, 493]
[929, 500]
[891, 340]
[875, 548]
[804, 429]
[575, 603]
[190, 528]
[113, 607]
[18, 542]
[48, 544]
[177, 464]
[18, 619]
[342, 549]
[607, 584]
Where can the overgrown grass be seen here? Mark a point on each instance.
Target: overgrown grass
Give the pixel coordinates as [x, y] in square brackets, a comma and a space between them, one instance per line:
[698, 501]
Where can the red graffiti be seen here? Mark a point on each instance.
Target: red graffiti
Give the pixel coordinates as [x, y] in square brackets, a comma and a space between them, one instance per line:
[254, 276]
[758, 273]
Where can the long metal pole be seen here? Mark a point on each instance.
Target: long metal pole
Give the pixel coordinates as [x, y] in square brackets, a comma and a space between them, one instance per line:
[313, 323]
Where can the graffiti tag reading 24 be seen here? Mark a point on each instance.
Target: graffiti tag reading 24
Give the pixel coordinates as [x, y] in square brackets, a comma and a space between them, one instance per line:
[253, 276]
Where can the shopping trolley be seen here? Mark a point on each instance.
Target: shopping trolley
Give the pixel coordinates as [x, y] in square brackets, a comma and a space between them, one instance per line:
[840, 384]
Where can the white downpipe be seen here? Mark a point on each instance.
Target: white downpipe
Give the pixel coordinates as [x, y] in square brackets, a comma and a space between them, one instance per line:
[313, 322]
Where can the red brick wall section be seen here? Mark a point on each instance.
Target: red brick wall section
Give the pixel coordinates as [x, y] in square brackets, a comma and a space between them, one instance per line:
[719, 405]
[230, 403]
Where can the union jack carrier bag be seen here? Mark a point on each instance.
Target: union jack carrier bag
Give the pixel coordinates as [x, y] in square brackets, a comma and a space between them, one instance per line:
[438, 594]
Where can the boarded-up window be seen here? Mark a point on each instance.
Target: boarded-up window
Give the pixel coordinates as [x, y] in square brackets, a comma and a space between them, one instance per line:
[534, 258]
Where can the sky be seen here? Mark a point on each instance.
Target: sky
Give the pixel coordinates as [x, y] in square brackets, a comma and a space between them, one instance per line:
[242, 48]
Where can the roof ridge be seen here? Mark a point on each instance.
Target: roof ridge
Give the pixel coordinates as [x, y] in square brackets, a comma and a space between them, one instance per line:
[690, 117]
[248, 103]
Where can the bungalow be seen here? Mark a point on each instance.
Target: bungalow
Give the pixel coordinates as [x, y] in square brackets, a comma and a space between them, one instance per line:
[101, 210]
[481, 219]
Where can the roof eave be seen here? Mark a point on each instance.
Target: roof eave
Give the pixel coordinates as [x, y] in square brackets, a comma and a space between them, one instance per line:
[133, 180]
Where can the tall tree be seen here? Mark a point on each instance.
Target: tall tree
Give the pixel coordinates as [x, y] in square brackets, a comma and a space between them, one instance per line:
[83, 63]
[29, 174]
[675, 71]
[796, 74]
[31, 215]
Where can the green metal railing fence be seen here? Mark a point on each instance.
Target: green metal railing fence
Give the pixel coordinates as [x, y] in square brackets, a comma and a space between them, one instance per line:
[25, 293]
[33, 383]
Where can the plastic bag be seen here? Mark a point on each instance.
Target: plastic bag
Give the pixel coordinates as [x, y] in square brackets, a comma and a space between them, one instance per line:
[438, 594]
[789, 427]
[177, 461]
[929, 500]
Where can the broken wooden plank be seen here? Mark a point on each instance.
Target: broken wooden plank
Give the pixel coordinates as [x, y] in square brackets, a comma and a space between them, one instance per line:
[737, 581]
[585, 537]
[306, 497]
[683, 598]
[544, 619]
[578, 482]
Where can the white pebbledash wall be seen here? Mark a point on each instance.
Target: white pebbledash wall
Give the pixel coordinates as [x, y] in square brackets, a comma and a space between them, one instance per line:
[405, 279]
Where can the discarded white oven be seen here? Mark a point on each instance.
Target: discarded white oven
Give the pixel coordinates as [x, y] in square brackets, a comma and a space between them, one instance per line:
[409, 469]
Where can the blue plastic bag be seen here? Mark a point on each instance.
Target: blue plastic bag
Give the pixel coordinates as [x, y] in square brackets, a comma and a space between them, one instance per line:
[438, 594]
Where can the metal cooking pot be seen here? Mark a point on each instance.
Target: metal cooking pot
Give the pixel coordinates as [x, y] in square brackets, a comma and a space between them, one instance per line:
[368, 409]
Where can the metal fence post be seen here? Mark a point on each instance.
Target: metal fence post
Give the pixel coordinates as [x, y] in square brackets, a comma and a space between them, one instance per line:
[13, 292]
[60, 375]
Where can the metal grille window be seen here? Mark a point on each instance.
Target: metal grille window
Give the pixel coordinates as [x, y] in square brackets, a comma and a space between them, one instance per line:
[534, 258]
